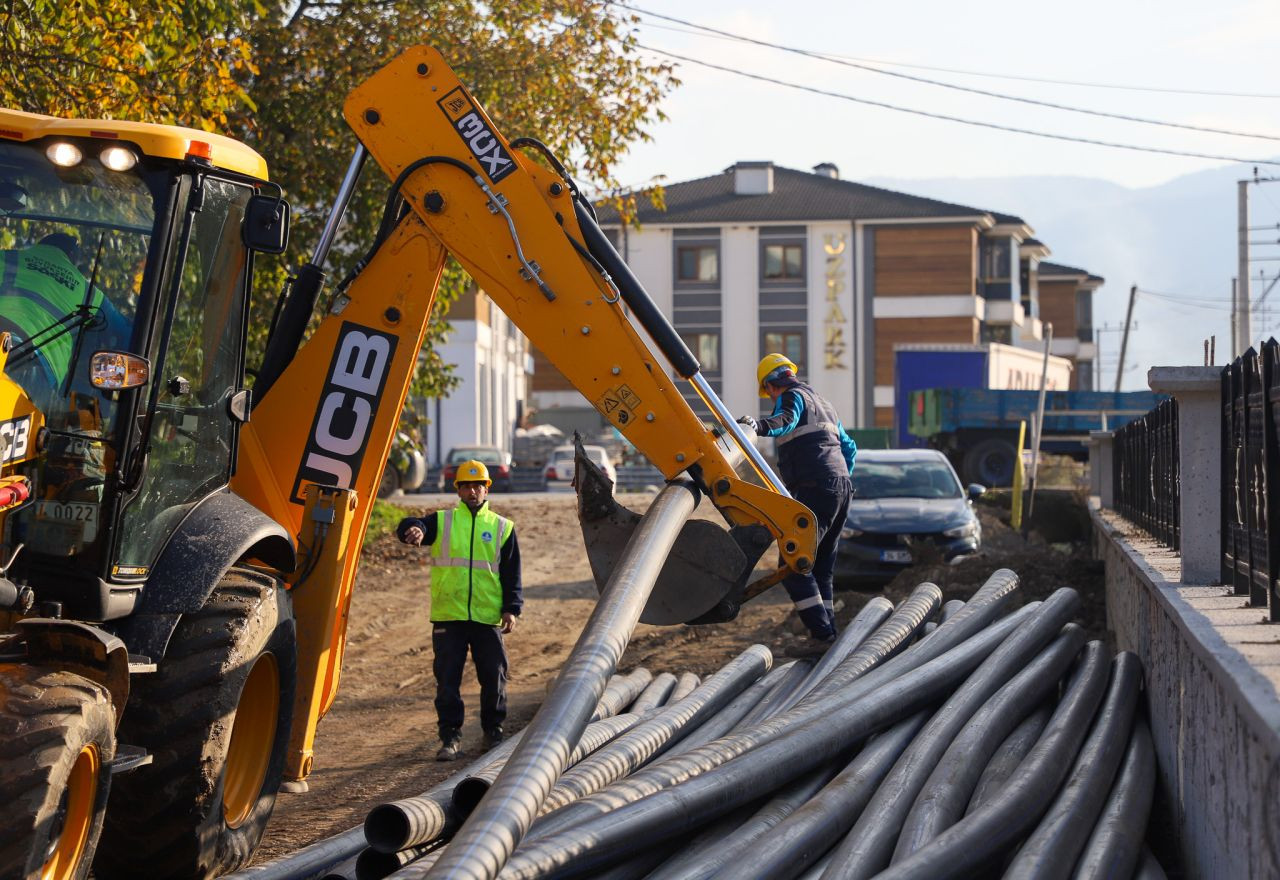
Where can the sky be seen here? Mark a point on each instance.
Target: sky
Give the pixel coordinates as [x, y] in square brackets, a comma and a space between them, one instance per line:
[717, 118]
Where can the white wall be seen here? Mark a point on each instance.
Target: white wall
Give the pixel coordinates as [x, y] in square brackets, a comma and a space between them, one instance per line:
[739, 318]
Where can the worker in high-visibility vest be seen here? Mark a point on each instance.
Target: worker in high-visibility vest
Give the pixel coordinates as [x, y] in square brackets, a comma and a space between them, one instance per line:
[475, 599]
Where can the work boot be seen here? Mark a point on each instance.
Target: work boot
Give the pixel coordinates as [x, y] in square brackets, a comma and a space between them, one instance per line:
[451, 745]
[493, 736]
[809, 646]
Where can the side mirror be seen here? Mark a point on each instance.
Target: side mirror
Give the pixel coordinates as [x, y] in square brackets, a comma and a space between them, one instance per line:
[976, 490]
[117, 370]
[266, 224]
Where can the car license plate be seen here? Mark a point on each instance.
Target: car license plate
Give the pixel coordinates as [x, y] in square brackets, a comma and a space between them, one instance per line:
[895, 555]
[82, 513]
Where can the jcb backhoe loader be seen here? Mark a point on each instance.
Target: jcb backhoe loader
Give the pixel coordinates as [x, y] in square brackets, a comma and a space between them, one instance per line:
[179, 549]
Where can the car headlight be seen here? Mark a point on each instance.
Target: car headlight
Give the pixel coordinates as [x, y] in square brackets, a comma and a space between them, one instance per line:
[964, 530]
[850, 533]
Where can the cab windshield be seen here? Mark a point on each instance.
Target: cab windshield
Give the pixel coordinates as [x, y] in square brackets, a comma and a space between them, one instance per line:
[74, 240]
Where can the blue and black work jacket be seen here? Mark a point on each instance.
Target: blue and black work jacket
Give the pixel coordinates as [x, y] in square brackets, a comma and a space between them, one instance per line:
[812, 443]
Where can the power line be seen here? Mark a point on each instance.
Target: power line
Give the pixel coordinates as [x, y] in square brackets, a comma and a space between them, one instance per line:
[833, 59]
[1011, 76]
[931, 115]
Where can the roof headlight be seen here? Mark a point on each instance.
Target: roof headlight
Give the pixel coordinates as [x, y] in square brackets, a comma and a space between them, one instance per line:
[118, 158]
[64, 154]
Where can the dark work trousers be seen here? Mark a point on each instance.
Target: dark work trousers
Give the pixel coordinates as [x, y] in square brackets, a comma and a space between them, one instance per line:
[450, 640]
[812, 593]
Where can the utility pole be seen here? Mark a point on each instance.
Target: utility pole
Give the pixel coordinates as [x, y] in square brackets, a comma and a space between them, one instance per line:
[1242, 332]
[1124, 340]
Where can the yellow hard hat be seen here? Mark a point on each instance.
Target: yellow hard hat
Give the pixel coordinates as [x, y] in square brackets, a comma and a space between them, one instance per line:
[770, 363]
[472, 472]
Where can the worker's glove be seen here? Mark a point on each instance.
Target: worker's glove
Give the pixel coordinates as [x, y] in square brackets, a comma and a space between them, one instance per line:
[750, 423]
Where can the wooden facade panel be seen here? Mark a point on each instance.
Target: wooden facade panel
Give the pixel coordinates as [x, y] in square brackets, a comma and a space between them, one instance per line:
[892, 331]
[884, 417]
[1058, 307]
[926, 260]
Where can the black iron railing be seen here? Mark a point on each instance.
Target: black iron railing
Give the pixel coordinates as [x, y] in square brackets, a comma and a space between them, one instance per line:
[1145, 472]
[1251, 476]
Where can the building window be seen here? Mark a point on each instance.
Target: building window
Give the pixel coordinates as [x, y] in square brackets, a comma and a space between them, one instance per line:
[789, 343]
[698, 263]
[783, 261]
[706, 348]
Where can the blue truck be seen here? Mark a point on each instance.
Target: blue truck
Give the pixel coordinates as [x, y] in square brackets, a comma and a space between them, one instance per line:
[977, 428]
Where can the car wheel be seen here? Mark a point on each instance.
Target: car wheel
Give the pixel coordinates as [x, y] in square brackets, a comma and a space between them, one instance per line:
[390, 482]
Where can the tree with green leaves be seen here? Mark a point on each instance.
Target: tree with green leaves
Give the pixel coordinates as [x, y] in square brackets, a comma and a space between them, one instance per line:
[275, 74]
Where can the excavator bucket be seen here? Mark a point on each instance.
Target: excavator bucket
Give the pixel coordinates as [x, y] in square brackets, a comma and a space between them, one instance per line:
[705, 577]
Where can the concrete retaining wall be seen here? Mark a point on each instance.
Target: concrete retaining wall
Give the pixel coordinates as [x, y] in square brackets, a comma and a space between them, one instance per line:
[1213, 692]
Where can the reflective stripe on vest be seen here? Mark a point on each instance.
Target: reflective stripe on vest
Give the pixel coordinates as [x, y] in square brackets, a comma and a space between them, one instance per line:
[810, 429]
[464, 575]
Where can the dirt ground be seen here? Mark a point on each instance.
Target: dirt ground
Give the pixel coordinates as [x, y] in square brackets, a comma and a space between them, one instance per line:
[378, 741]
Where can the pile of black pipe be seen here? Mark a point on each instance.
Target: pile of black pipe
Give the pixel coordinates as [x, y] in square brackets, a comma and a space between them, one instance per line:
[981, 739]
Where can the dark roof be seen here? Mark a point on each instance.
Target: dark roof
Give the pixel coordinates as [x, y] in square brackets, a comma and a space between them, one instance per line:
[1048, 270]
[797, 196]
[1008, 219]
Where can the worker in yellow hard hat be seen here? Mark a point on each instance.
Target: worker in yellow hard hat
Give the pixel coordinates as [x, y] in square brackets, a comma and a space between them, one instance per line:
[475, 598]
[815, 459]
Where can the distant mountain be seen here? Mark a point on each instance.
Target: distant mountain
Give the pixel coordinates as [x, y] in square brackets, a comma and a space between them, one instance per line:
[1177, 238]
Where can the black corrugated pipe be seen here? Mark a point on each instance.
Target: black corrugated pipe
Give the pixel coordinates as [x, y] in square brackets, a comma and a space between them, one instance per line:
[802, 839]
[771, 760]
[1009, 755]
[374, 865]
[869, 619]
[685, 685]
[655, 695]
[729, 717]
[673, 769]
[770, 704]
[1052, 849]
[344, 870]
[310, 861]
[869, 845]
[414, 821]
[468, 792]
[1116, 844]
[952, 778]
[483, 844]
[652, 735]
[984, 834]
[717, 847]
[620, 692]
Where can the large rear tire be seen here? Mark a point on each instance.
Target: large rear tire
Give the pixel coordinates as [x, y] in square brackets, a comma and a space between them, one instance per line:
[57, 739]
[991, 463]
[216, 717]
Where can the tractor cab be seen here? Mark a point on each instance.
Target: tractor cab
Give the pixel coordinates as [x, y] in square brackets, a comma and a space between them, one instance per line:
[124, 278]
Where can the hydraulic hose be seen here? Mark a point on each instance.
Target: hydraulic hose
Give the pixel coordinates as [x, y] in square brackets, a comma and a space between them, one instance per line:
[869, 846]
[652, 735]
[768, 761]
[980, 836]
[485, 842]
[1008, 756]
[946, 792]
[1054, 846]
[1115, 847]
[655, 695]
[800, 841]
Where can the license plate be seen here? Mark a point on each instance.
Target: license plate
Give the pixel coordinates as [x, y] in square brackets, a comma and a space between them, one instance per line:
[895, 555]
[81, 513]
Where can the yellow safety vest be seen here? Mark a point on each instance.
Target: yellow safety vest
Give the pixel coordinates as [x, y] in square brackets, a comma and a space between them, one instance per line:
[464, 573]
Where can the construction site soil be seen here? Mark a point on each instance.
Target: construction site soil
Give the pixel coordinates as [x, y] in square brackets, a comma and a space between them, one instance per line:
[378, 742]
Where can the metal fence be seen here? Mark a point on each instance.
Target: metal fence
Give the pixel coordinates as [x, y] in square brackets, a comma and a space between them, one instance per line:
[1251, 476]
[1145, 472]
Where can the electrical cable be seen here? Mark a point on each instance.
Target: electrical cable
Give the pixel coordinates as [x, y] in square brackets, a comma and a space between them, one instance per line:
[947, 118]
[991, 75]
[959, 88]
